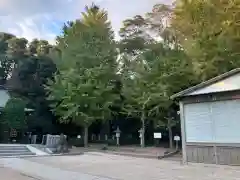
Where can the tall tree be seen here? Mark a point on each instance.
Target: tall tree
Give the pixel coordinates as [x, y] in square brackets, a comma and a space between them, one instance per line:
[152, 79]
[210, 34]
[14, 114]
[4, 37]
[5, 62]
[152, 74]
[159, 23]
[135, 36]
[33, 65]
[33, 46]
[82, 90]
[17, 49]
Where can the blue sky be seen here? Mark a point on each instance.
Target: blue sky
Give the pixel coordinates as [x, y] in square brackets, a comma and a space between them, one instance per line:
[44, 18]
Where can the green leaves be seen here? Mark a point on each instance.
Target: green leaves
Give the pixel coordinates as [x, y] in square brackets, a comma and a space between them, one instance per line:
[210, 34]
[83, 90]
[14, 114]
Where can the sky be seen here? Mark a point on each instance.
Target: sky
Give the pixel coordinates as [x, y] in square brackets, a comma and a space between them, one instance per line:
[43, 19]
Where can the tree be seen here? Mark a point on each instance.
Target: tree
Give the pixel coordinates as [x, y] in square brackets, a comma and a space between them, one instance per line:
[5, 68]
[43, 48]
[149, 81]
[31, 67]
[4, 37]
[17, 49]
[5, 62]
[82, 90]
[209, 32]
[14, 114]
[159, 22]
[153, 70]
[135, 36]
[33, 46]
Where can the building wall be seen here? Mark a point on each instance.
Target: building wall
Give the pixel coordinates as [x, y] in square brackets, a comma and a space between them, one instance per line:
[209, 153]
[4, 96]
[212, 151]
[213, 122]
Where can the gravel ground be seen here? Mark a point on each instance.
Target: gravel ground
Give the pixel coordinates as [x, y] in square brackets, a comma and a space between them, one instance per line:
[116, 167]
[10, 174]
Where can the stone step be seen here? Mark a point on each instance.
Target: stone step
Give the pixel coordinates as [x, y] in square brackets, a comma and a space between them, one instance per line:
[12, 147]
[12, 151]
[16, 154]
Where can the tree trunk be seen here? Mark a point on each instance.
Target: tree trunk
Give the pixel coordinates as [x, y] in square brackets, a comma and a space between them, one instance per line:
[143, 129]
[170, 136]
[86, 136]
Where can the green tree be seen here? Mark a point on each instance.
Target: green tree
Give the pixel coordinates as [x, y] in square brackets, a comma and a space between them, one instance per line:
[134, 36]
[5, 62]
[43, 48]
[14, 114]
[155, 69]
[209, 32]
[32, 67]
[33, 46]
[151, 79]
[17, 49]
[159, 22]
[82, 90]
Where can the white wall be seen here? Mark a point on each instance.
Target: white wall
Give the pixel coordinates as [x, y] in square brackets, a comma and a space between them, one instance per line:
[4, 96]
[198, 122]
[213, 122]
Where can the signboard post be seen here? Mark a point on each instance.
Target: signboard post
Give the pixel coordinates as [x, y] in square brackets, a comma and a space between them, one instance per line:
[157, 136]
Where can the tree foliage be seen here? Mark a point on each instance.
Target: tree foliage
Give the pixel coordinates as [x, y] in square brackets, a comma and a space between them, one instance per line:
[210, 34]
[82, 90]
[5, 62]
[24, 69]
[14, 114]
[160, 53]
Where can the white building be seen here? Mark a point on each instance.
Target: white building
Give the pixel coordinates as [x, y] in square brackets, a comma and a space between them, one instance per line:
[210, 120]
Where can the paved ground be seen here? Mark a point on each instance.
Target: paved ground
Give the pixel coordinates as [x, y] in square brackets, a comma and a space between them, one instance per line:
[99, 166]
[10, 174]
[133, 151]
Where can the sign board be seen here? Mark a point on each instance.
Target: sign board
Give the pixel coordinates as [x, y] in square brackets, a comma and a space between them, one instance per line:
[176, 138]
[157, 135]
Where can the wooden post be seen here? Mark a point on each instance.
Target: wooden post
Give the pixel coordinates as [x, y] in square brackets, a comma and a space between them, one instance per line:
[183, 132]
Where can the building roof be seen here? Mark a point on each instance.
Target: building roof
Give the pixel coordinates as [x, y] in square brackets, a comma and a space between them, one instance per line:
[204, 84]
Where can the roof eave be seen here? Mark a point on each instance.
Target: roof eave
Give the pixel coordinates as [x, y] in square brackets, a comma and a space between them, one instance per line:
[205, 83]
